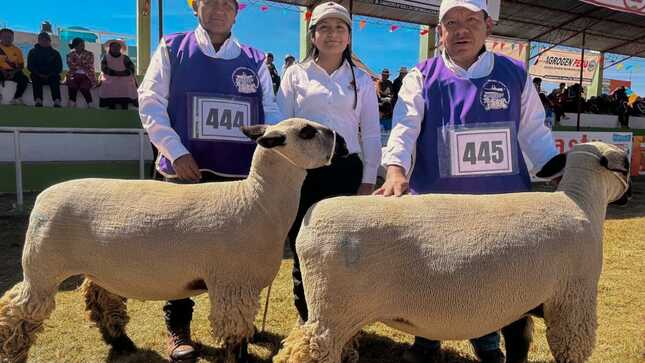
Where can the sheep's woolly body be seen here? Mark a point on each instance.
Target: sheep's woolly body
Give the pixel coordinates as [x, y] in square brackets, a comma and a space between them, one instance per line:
[451, 267]
[151, 240]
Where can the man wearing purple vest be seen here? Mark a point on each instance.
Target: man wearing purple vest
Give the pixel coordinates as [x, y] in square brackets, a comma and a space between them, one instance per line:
[200, 87]
[464, 122]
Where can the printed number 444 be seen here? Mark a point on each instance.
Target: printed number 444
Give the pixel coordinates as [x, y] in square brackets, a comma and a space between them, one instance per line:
[226, 119]
[488, 152]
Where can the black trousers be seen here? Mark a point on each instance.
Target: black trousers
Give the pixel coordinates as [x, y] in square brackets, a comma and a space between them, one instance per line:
[52, 81]
[21, 80]
[179, 313]
[342, 177]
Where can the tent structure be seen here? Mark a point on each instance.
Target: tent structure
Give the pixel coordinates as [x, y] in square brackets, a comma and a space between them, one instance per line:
[618, 28]
[614, 26]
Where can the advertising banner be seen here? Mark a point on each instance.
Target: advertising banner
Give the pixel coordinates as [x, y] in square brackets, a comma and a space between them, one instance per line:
[564, 66]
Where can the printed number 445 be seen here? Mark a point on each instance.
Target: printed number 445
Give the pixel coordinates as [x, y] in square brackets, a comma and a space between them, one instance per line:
[488, 152]
[226, 120]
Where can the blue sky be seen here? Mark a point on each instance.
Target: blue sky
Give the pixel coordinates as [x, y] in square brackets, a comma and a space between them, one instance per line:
[274, 30]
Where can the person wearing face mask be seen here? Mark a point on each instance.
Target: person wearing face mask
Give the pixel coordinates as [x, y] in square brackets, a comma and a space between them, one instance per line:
[463, 122]
[329, 89]
[229, 85]
[118, 85]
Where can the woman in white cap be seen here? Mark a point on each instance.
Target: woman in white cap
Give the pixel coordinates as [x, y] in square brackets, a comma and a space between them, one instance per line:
[329, 89]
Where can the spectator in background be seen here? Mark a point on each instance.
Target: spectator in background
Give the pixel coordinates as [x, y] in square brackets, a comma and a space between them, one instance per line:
[396, 85]
[575, 98]
[289, 60]
[81, 75]
[558, 98]
[537, 83]
[546, 103]
[384, 92]
[12, 63]
[118, 85]
[275, 77]
[45, 65]
[622, 106]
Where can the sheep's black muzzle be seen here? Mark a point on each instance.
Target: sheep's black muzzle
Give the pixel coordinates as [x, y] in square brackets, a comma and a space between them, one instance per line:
[340, 149]
[626, 197]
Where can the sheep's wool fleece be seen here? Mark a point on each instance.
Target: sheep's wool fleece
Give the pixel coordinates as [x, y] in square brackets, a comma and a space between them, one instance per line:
[149, 240]
[443, 266]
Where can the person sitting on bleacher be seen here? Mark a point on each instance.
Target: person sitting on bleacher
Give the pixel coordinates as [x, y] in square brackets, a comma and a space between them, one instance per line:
[11, 65]
[81, 76]
[118, 85]
[45, 65]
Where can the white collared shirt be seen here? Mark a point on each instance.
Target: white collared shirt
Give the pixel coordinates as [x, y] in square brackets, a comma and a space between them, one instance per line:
[308, 91]
[155, 89]
[535, 139]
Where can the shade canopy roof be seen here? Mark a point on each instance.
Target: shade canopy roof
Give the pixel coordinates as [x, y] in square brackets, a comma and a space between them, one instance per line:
[557, 22]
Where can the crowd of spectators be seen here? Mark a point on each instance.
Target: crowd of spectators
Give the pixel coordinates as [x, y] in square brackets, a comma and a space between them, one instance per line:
[563, 100]
[116, 83]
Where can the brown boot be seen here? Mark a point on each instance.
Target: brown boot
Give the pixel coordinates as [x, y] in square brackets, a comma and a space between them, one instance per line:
[180, 346]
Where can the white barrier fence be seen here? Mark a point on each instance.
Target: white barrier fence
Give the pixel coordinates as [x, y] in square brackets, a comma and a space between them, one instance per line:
[17, 157]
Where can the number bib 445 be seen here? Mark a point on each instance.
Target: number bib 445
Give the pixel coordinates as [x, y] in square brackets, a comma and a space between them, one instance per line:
[219, 117]
[479, 151]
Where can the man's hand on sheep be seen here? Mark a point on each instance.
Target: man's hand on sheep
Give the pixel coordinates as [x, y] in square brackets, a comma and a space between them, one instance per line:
[186, 168]
[396, 183]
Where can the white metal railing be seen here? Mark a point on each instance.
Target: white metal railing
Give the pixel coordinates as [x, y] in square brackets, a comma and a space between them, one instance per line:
[16, 131]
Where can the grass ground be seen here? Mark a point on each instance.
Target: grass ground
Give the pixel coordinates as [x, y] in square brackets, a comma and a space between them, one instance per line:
[69, 338]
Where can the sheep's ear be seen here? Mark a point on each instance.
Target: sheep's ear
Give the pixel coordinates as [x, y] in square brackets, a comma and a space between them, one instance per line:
[272, 139]
[624, 169]
[553, 167]
[253, 132]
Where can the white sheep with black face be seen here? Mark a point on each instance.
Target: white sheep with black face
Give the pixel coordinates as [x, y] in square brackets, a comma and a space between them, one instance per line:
[454, 267]
[151, 240]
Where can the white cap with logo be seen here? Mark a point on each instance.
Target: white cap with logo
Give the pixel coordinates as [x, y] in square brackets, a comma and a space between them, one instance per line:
[330, 10]
[472, 5]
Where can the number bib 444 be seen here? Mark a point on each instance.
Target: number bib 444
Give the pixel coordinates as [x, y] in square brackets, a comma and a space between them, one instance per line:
[479, 151]
[219, 117]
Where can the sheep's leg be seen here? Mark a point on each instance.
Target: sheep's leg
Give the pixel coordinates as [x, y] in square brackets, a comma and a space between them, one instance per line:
[517, 338]
[571, 323]
[233, 310]
[22, 312]
[109, 312]
[314, 342]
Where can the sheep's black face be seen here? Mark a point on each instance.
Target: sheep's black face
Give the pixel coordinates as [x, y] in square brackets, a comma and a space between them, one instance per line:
[626, 197]
[304, 143]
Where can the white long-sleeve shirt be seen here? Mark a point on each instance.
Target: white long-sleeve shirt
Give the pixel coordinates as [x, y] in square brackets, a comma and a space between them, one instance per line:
[155, 90]
[308, 91]
[535, 139]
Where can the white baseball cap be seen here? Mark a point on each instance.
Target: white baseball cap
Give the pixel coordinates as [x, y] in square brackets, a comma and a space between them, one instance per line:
[330, 10]
[472, 5]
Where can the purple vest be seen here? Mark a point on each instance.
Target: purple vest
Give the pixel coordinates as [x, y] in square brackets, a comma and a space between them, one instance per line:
[451, 101]
[194, 73]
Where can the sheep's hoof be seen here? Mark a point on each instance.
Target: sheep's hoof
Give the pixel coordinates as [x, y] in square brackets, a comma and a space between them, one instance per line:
[238, 353]
[120, 344]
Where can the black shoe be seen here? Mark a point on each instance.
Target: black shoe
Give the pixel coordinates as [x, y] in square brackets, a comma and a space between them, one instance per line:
[490, 356]
[38, 104]
[417, 354]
